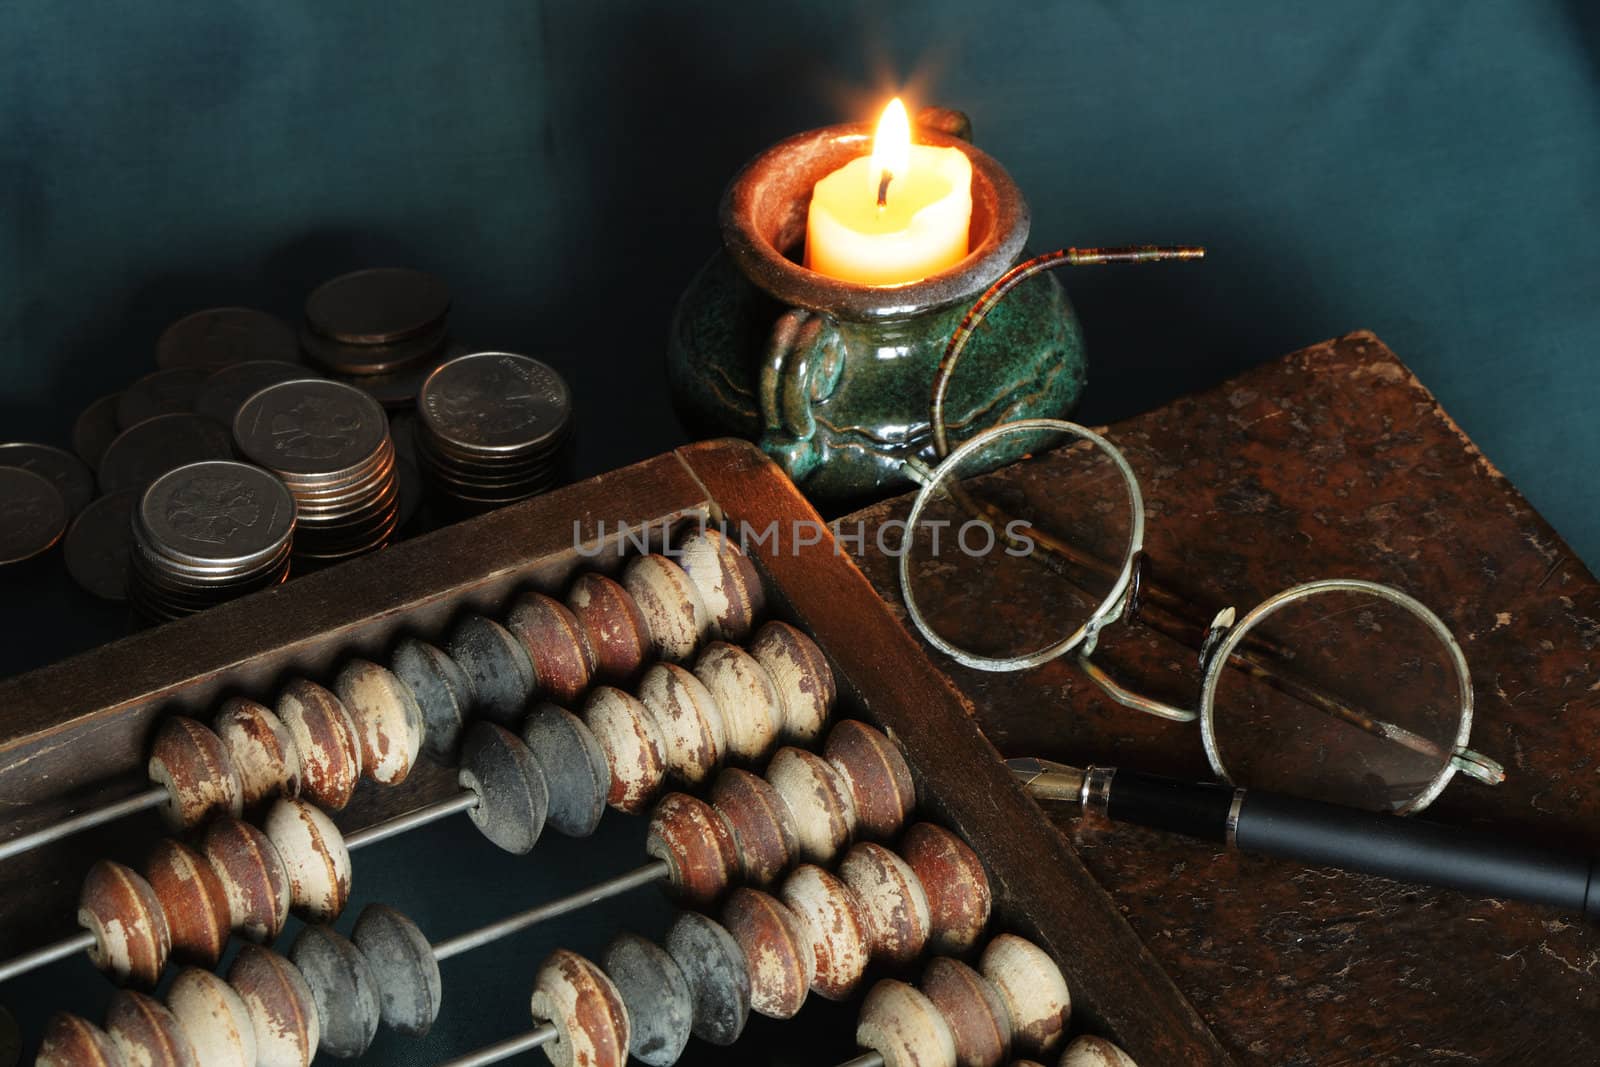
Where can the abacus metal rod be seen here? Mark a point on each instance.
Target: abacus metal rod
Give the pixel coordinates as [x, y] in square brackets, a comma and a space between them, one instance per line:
[439, 809]
[49, 954]
[153, 797]
[866, 1059]
[504, 1050]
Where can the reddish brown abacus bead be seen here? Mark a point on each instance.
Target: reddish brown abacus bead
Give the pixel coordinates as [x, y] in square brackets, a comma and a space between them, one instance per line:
[146, 1034]
[695, 842]
[635, 750]
[387, 718]
[800, 676]
[841, 940]
[979, 1020]
[903, 1026]
[193, 900]
[891, 895]
[727, 581]
[192, 764]
[1090, 1051]
[763, 830]
[252, 875]
[314, 858]
[689, 719]
[1035, 993]
[325, 736]
[818, 800]
[670, 604]
[879, 780]
[563, 662]
[579, 1000]
[751, 718]
[777, 951]
[261, 750]
[73, 1042]
[611, 621]
[214, 1018]
[956, 886]
[282, 1011]
[122, 911]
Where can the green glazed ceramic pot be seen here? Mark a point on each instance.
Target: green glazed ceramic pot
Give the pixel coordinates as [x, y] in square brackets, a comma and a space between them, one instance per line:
[833, 379]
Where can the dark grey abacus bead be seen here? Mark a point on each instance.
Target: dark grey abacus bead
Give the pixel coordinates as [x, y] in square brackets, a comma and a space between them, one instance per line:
[574, 767]
[512, 795]
[656, 994]
[403, 963]
[719, 982]
[342, 987]
[442, 691]
[496, 665]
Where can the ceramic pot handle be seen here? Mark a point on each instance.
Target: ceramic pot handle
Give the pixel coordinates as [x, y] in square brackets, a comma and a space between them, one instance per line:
[802, 366]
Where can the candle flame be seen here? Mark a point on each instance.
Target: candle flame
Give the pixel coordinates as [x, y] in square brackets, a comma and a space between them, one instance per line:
[891, 149]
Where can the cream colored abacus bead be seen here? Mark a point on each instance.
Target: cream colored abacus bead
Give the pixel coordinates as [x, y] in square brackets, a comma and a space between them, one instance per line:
[728, 583]
[741, 688]
[841, 939]
[261, 750]
[689, 719]
[314, 857]
[192, 764]
[635, 750]
[818, 799]
[214, 1017]
[325, 737]
[586, 1010]
[122, 911]
[891, 895]
[800, 676]
[387, 718]
[1034, 991]
[673, 612]
[903, 1026]
[1090, 1051]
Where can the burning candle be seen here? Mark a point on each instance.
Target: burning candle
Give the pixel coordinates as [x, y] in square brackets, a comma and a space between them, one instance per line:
[895, 216]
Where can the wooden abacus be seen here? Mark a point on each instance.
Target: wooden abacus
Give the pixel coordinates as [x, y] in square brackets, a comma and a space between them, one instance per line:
[77, 736]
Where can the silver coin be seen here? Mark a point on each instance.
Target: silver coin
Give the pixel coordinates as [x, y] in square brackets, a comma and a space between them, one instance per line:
[71, 478]
[98, 544]
[217, 337]
[33, 516]
[384, 359]
[310, 427]
[95, 429]
[225, 392]
[165, 392]
[145, 452]
[218, 514]
[494, 402]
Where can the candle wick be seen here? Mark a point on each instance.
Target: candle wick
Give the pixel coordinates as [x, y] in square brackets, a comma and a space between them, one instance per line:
[883, 188]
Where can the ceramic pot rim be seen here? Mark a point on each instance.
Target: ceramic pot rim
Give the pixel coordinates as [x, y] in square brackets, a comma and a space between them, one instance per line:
[763, 214]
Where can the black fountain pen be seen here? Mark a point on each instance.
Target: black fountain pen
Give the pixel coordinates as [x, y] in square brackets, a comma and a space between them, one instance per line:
[1325, 835]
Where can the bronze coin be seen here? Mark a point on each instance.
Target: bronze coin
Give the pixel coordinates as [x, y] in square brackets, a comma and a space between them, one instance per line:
[378, 306]
[145, 452]
[217, 337]
[98, 544]
[95, 429]
[33, 516]
[165, 392]
[225, 392]
[65, 471]
[348, 359]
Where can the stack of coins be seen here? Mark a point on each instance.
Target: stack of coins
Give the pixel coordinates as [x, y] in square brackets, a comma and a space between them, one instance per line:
[208, 532]
[491, 426]
[329, 443]
[381, 330]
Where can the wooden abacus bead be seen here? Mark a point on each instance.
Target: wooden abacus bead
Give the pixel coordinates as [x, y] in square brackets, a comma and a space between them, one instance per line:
[979, 1020]
[655, 994]
[800, 676]
[252, 875]
[689, 719]
[719, 980]
[512, 795]
[314, 858]
[751, 718]
[442, 691]
[562, 660]
[591, 1023]
[818, 800]
[777, 949]
[496, 665]
[146, 1034]
[727, 581]
[282, 1011]
[763, 830]
[192, 764]
[407, 972]
[695, 842]
[1035, 993]
[841, 938]
[892, 898]
[611, 621]
[214, 1018]
[903, 1026]
[635, 750]
[879, 780]
[193, 901]
[957, 888]
[326, 739]
[1088, 1050]
[673, 612]
[575, 769]
[260, 749]
[342, 988]
[70, 1041]
[387, 718]
[122, 911]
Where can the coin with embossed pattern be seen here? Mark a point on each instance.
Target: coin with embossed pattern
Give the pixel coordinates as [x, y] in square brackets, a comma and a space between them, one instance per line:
[65, 471]
[218, 514]
[378, 306]
[98, 544]
[310, 427]
[489, 402]
[33, 516]
[145, 452]
[217, 337]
